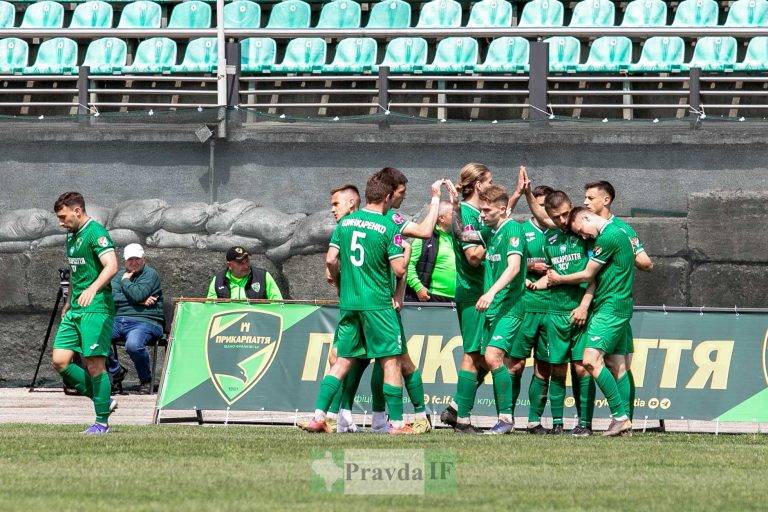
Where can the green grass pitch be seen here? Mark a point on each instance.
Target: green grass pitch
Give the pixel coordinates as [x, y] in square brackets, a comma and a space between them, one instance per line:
[239, 468]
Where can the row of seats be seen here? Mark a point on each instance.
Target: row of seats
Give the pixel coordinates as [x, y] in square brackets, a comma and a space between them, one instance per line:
[403, 55]
[390, 14]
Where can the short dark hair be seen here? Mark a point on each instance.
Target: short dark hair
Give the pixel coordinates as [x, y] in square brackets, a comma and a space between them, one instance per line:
[604, 186]
[542, 190]
[555, 199]
[347, 186]
[69, 199]
[494, 194]
[394, 176]
[377, 188]
[575, 213]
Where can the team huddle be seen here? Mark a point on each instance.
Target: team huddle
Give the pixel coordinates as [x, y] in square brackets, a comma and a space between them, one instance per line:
[558, 287]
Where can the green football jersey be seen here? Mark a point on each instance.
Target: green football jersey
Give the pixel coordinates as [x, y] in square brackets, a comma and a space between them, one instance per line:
[507, 239]
[536, 301]
[366, 241]
[567, 254]
[637, 245]
[469, 279]
[84, 249]
[613, 251]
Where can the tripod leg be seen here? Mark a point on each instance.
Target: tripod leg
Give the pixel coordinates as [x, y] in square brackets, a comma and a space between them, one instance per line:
[51, 321]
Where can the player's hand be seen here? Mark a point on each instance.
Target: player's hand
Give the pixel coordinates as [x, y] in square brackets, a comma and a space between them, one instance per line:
[329, 277]
[452, 192]
[85, 298]
[538, 267]
[436, 188]
[530, 285]
[397, 303]
[151, 301]
[484, 302]
[553, 278]
[423, 295]
[64, 309]
[127, 275]
[523, 181]
[579, 316]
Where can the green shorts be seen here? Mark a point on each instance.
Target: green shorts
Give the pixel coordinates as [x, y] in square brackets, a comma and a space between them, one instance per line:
[89, 334]
[373, 334]
[562, 335]
[501, 331]
[404, 343]
[531, 338]
[471, 325]
[630, 340]
[606, 332]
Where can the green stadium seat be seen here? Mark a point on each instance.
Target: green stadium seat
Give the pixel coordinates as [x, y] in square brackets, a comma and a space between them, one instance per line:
[564, 53]
[257, 54]
[748, 13]
[340, 14]
[593, 13]
[106, 55]
[93, 14]
[405, 55]
[290, 14]
[354, 55]
[390, 14]
[714, 54]
[303, 55]
[608, 54]
[45, 14]
[201, 56]
[542, 13]
[490, 13]
[155, 55]
[57, 56]
[645, 13]
[440, 14]
[191, 14]
[661, 54]
[454, 55]
[696, 13]
[506, 55]
[14, 55]
[242, 14]
[141, 14]
[7, 15]
[756, 58]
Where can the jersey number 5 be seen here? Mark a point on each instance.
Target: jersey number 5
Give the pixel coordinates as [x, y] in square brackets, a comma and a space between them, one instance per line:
[358, 251]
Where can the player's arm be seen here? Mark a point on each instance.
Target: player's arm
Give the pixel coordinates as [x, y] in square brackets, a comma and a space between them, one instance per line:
[65, 307]
[539, 213]
[540, 284]
[584, 276]
[108, 261]
[399, 298]
[643, 261]
[519, 190]
[332, 264]
[579, 315]
[475, 255]
[513, 268]
[426, 227]
[139, 290]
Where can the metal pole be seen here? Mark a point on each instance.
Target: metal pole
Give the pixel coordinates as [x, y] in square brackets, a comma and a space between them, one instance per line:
[233, 74]
[221, 73]
[82, 90]
[694, 91]
[383, 84]
[537, 81]
[211, 170]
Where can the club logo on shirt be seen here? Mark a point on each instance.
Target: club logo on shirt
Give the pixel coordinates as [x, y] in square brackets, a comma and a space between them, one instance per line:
[597, 250]
[78, 244]
[398, 240]
[256, 287]
[563, 248]
[514, 241]
[102, 241]
[398, 219]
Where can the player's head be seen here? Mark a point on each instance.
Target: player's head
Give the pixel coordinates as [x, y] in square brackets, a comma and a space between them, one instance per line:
[584, 223]
[558, 206]
[473, 178]
[378, 190]
[445, 216]
[238, 261]
[133, 254]
[398, 181]
[540, 193]
[598, 196]
[494, 207]
[70, 210]
[344, 200]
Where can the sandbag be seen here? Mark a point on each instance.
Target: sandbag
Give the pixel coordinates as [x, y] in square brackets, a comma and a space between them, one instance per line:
[123, 237]
[188, 218]
[49, 241]
[99, 214]
[223, 241]
[315, 229]
[6, 247]
[142, 215]
[166, 239]
[223, 215]
[271, 226]
[28, 224]
[279, 253]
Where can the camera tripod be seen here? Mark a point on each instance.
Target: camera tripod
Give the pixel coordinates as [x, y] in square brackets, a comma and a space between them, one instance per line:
[61, 296]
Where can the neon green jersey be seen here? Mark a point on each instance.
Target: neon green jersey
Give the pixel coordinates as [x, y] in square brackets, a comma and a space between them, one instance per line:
[613, 251]
[536, 301]
[469, 279]
[84, 249]
[507, 239]
[567, 254]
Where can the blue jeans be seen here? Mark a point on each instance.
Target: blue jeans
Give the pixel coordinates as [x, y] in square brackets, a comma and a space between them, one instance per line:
[136, 334]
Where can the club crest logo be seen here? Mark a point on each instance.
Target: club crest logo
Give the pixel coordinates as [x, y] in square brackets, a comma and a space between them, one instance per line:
[240, 347]
[256, 287]
[398, 240]
[514, 241]
[102, 241]
[78, 244]
[563, 248]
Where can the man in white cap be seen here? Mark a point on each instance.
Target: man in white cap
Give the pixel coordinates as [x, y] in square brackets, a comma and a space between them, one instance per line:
[138, 316]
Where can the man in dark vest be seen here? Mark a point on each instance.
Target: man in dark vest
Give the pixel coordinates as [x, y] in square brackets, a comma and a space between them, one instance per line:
[431, 273]
[242, 281]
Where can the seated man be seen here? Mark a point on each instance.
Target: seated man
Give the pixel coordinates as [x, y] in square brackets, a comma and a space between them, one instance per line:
[242, 281]
[431, 273]
[138, 316]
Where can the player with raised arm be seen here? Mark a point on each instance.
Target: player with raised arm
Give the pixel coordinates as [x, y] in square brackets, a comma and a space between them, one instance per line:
[87, 318]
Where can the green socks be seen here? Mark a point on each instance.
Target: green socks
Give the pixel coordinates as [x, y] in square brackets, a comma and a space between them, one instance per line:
[328, 388]
[557, 398]
[352, 382]
[607, 385]
[378, 403]
[625, 390]
[502, 390]
[632, 393]
[537, 395]
[516, 380]
[102, 388]
[75, 377]
[415, 388]
[586, 400]
[393, 395]
[466, 390]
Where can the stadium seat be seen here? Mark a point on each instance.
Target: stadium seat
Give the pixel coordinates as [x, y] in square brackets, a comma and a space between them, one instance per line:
[140, 14]
[303, 55]
[7, 15]
[696, 13]
[542, 13]
[593, 13]
[14, 55]
[155, 55]
[390, 14]
[93, 14]
[405, 55]
[661, 54]
[290, 14]
[201, 56]
[43, 14]
[440, 14]
[257, 54]
[490, 13]
[756, 58]
[714, 54]
[564, 53]
[242, 14]
[57, 56]
[340, 14]
[454, 55]
[608, 54]
[748, 13]
[506, 55]
[106, 55]
[191, 14]
[645, 13]
[354, 55]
